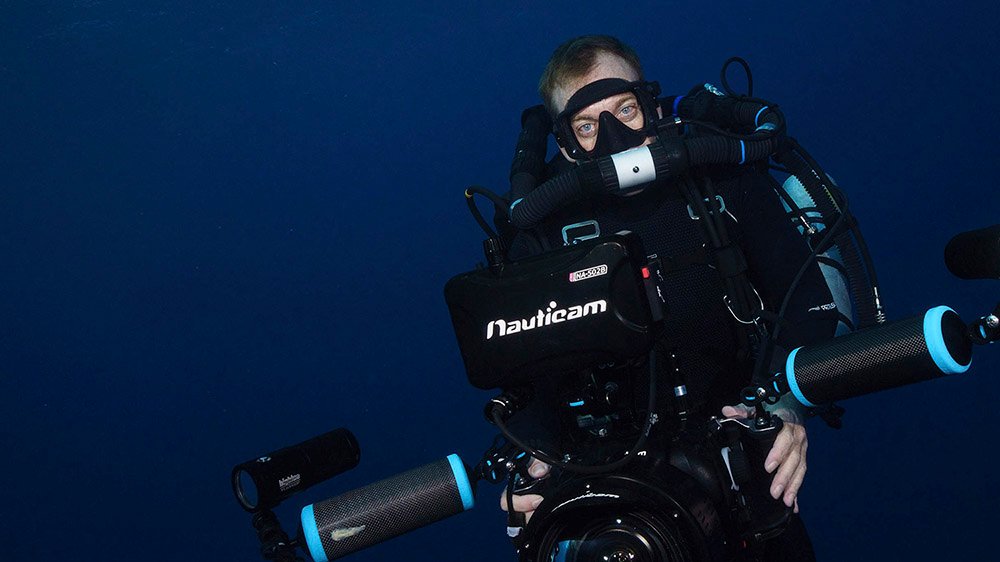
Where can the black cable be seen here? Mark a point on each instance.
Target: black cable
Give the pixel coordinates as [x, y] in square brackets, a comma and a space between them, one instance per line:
[865, 255]
[759, 366]
[696, 200]
[874, 306]
[729, 134]
[825, 242]
[697, 203]
[479, 218]
[813, 256]
[797, 215]
[498, 201]
[737, 286]
[715, 215]
[802, 270]
[832, 263]
[746, 67]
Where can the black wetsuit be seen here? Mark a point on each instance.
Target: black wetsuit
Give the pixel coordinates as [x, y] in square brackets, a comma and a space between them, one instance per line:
[699, 328]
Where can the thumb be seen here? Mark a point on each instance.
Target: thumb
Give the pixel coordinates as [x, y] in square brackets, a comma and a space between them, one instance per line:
[736, 411]
[537, 468]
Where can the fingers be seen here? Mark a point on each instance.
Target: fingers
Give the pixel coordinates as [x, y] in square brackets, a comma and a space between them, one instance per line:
[525, 504]
[792, 490]
[782, 445]
[788, 479]
[792, 436]
[737, 411]
[788, 455]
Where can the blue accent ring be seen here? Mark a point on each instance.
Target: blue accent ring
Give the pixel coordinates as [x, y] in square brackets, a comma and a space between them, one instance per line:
[461, 480]
[792, 384]
[677, 103]
[311, 534]
[934, 337]
[514, 204]
[756, 117]
[743, 152]
[576, 404]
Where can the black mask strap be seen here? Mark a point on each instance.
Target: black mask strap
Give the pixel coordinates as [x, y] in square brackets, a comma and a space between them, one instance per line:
[593, 93]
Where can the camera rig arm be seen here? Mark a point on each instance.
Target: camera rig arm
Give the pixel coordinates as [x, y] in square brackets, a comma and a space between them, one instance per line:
[987, 328]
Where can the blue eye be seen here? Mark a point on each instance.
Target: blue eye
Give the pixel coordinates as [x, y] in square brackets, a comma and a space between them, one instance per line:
[586, 129]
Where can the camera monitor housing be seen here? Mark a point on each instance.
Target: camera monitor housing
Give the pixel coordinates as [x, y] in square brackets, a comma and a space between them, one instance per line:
[591, 303]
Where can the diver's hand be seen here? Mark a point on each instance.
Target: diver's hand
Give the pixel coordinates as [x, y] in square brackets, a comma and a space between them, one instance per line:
[787, 456]
[527, 503]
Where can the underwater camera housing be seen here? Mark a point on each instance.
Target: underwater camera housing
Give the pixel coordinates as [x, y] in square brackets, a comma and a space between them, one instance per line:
[584, 318]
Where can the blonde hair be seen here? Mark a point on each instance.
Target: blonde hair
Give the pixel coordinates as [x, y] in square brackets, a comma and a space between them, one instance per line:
[576, 57]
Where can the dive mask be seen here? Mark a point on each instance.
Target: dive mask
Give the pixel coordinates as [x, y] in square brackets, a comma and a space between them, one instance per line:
[613, 136]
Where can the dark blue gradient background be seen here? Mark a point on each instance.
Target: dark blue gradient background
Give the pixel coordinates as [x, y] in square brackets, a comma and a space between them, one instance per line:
[225, 227]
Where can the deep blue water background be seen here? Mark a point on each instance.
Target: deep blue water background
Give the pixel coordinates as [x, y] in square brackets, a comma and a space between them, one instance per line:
[225, 227]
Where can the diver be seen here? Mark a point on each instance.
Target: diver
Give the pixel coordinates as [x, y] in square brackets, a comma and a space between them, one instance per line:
[600, 104]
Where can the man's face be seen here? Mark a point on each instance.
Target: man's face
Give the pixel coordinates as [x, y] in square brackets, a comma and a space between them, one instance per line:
[623, 106]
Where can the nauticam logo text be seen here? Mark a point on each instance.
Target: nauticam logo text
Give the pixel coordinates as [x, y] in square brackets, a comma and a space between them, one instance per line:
[551, 315]
[589, 273]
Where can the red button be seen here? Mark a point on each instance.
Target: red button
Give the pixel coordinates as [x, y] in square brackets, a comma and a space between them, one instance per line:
[645, 273]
